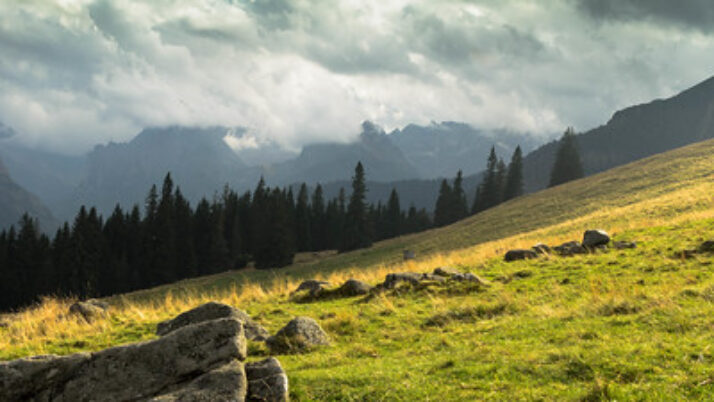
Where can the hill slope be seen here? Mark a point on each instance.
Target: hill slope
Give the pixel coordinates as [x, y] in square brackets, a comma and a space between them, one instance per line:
[632, 324]
[15, 201]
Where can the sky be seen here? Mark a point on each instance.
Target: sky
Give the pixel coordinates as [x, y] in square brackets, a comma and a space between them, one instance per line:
[74, 73]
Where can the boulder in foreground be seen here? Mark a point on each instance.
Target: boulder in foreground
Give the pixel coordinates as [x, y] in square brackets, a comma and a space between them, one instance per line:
[266, 381]
[595, 238]
[212, 311]
[299, 335]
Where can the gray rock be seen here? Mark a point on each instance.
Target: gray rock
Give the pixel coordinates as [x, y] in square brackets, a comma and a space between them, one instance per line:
[468, 277]
[164, 366]
[314, 287]
[353, 287]
[621, 245]
[446, 271]
[409, 255]
[266, 381]
[89, 310]
[541, 248]
[706, 247]
[226, 383]
[212, 311]
[519, 254]
[570, 248]
[391, 280]
[594, 238]
[299, 335]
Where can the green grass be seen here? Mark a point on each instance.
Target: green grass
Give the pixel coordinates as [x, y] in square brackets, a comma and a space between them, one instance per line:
[617, 325]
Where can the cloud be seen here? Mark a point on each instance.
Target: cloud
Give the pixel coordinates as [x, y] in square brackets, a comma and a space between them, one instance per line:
[81, 72]
[696, 14]
[6, 132]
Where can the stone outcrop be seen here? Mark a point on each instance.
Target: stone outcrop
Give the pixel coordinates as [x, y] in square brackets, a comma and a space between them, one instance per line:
[570, 248]
[353, 287]
[212, 311]
[154, 369]
[519, 254]
[706, 247]
[266, 381]
[199, 358]
[312, 286]
[89, 310]
[595, 238]
[299, 335]
[541, 248]
[446, 272]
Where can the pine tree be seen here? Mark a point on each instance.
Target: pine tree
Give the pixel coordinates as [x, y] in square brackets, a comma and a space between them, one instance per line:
[393, 216]
[443, 204]
[358, 230]
[568, 165]
[459, 208]
[318, 220]
[303, 234]
[514, 179]
[278, 249]
[488, 193]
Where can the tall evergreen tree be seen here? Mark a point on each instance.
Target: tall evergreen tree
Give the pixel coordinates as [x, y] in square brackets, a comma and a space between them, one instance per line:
[393, 216]
[514, 179]
[488, 193]
[443, 204]
[358, 230]
[459, 207]
[568, 165]
[303, 234]
[278, 249]
[319, 220]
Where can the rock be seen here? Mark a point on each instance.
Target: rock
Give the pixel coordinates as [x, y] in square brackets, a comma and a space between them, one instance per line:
[266, 381]
[594, 238]
[353, 287]
[177, 366]
[621, 245]
[226, 383]
[706, 247]
[519, 254]
[541, 248]
[409, 255]
[314, 287]
[89, 310]
[211, 311]
[300, 334]
[446, 272]
[468, 277]
[391, 280]
[570, 248]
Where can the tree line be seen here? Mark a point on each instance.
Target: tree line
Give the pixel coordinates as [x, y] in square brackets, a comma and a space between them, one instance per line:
[170, 240]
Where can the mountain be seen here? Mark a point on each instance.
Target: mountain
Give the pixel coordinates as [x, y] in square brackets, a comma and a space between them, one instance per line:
[199, 159]
[326, 162]
[442, 149]
[15, 201]
[634, 133]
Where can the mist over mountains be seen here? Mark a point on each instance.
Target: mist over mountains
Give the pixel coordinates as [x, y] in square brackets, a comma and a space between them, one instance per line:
[413, 159]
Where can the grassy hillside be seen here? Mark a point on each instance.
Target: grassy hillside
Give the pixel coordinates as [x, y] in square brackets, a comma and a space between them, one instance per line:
[631, 324]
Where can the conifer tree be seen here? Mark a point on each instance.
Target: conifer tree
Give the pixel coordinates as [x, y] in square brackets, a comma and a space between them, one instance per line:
[303, 234]
[568, 165]
[443, 204]
[393, 216]
[488, 193]
[358, 229]
[459, 208]
[318, 220]
[514, 179]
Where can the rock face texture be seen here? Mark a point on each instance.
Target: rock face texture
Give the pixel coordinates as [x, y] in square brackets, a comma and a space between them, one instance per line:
[594, 238]
[353, 287]
[519, 254]
[312, 286]
[197, 359]
[266, 381]
[89, 310]
[299, 335]
[212, 311]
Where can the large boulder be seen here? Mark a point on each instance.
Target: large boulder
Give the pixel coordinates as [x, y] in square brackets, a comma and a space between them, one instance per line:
[89, 310]
[353, 287]
[570, 248]
[178, 366]
[299, 335]
[212, 311]
[595, 238]
[541, 248]
[519, 254]
[266, 381]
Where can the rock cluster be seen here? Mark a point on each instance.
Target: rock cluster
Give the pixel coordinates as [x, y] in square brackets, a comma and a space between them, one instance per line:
[198, 358]
[592, 240]
[312, 289]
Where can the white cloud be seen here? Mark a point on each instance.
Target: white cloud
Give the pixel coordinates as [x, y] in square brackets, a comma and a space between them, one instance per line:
[75, 73]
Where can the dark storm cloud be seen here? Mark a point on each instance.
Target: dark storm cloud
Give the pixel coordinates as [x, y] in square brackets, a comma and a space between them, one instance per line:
[697, 14]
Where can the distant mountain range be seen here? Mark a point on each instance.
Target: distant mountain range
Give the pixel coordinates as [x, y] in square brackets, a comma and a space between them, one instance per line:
[412, 159]
[15, 201]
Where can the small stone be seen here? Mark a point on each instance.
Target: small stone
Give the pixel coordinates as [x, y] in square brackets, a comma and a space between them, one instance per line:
[446, 271]
[594, 238]
[570, 248]
[519, 254]
[706, 247]
[541, 248]
[314, 287]
[89, 310]
[299, 335]
[621, 245]
[391, 281]
[266, 381]
[409, 255]
[353, 287]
